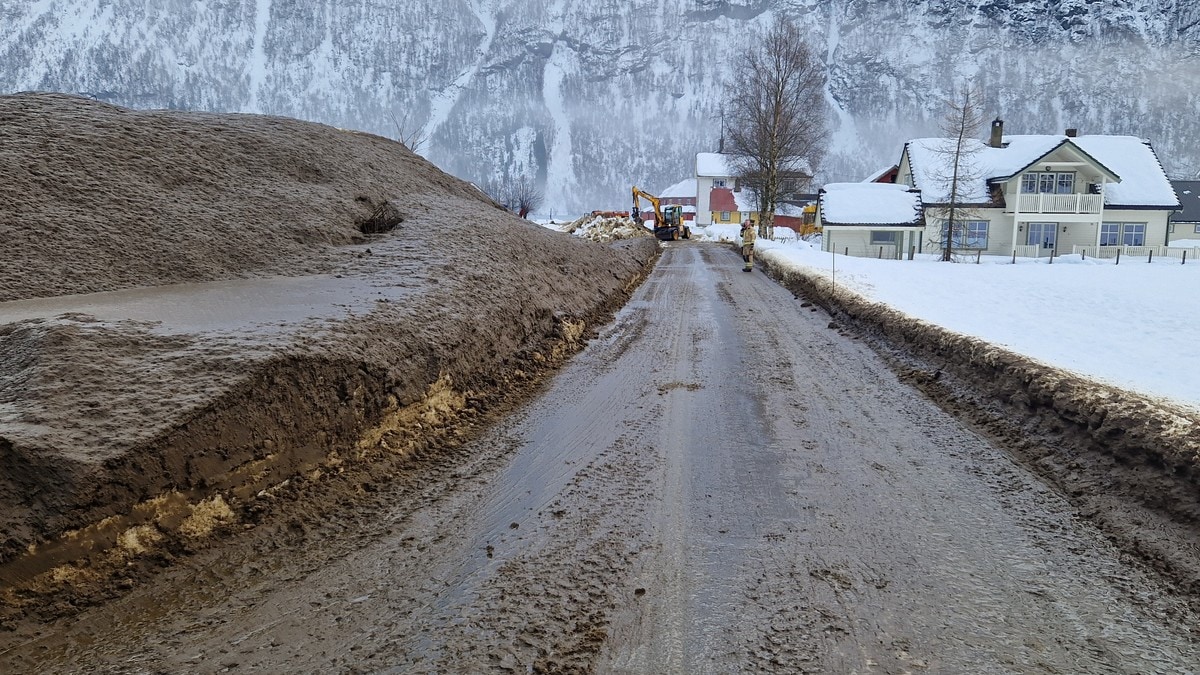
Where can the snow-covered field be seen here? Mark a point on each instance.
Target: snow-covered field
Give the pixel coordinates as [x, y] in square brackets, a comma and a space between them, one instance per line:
[1135, 325]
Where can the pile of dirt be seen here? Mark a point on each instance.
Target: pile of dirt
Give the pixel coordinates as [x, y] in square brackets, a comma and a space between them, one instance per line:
[604, 229]
[1130, 463]
[145, 421]
[94, 197]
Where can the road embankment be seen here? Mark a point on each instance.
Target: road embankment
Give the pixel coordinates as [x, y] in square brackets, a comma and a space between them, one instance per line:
[88, 503]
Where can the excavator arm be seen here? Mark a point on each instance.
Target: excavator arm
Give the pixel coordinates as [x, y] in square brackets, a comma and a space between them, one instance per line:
[637, 195]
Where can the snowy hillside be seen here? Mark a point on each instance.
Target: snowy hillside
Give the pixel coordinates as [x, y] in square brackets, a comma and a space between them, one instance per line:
[590, 97]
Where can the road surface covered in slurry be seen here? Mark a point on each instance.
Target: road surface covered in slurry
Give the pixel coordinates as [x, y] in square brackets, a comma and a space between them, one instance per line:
[720, 482]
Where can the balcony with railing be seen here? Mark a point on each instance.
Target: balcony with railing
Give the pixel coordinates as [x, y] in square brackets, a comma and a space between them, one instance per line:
[1046, 202]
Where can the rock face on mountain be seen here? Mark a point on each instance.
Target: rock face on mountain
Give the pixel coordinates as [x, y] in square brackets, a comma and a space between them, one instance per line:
[589, 98]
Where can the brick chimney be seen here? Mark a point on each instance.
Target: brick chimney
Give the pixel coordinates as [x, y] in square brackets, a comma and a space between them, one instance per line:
[997, 133]
[1072, 133]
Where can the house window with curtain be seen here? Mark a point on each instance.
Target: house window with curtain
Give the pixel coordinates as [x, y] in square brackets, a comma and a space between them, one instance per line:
[1133, 234]
[1029, 183]
[1110, 234]
[969, 234]
[883, 237]
[1066, 183]
[1048, 182]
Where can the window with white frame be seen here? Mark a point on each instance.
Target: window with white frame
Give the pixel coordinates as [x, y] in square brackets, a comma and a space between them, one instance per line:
[725, 216]
[1066, 183]
[719, 182]
[1048, 182]
[1197, 230]
[1133, 234]
[972, 234]
[884, 237]
[1110, 234]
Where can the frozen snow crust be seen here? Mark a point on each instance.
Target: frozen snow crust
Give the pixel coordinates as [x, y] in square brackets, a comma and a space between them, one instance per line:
[1131, 463]
[252, 339]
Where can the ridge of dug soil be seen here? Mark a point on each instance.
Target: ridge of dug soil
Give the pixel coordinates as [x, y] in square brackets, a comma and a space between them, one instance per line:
[94, 197]
[1131, 464]
[144, 422]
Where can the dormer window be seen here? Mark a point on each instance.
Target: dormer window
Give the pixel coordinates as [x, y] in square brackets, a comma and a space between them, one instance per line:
[1048, 182]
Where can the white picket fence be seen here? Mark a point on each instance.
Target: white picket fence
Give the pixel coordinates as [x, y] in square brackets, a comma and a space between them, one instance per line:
[1134, 252]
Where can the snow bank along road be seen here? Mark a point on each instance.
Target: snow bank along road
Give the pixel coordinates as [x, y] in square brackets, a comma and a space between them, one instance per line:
[720, 482]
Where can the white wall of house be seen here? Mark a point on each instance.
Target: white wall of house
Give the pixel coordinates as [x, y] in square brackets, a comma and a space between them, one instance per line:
[704, 186]
[1067, 234]
[1155, 220]
[1180, 231]
[862, 240]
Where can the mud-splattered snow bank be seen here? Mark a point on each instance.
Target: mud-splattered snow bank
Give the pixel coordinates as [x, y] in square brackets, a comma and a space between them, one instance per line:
[378, 304]
[1131, 463]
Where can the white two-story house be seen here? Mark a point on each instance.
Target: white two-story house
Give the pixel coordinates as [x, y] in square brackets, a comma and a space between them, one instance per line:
[1043, 195]
[713, 170]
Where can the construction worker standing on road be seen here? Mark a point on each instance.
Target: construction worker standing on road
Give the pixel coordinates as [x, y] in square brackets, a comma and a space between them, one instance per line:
[748, 235]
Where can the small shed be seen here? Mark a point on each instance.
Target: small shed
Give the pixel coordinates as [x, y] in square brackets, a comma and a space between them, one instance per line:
[870, 219]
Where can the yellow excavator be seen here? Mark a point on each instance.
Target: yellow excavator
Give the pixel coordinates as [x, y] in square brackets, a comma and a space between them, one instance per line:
[668, 220]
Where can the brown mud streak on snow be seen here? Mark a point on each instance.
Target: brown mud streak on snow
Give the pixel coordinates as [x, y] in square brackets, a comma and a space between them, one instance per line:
[1129, 463]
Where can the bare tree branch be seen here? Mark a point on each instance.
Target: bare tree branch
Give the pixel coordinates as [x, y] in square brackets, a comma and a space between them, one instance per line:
[778, 125]
[408, 132]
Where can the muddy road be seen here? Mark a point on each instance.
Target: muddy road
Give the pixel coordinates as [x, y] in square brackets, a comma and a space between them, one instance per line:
[721, 482]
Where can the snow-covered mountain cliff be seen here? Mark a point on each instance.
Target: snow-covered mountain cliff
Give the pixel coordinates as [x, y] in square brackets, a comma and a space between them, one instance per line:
[591, 96]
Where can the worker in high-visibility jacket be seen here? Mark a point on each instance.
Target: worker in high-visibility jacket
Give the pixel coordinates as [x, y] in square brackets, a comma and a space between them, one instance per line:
[748, 235]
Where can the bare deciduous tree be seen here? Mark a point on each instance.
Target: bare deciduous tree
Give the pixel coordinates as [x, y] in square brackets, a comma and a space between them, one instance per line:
[526, 196]
[777, 118]
[958, 174]
[519, 195]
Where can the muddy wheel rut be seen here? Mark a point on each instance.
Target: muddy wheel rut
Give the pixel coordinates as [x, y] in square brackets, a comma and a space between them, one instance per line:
[719, 482]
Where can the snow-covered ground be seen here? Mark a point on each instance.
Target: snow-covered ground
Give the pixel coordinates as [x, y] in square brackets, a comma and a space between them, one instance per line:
[1134, 325]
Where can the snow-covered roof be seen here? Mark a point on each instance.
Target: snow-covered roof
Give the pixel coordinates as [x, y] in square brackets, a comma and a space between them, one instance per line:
[879, 174]
[721, 165]
[722, 199]
[1130, 162]
[713, 164]
[684, 188]
[870, 204]
[742, 201]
